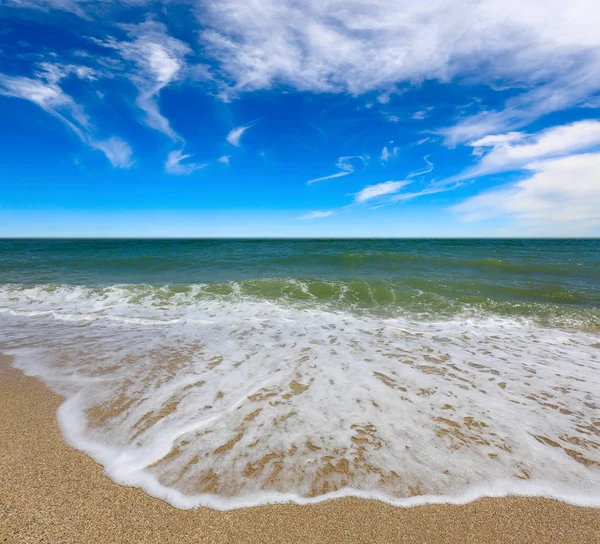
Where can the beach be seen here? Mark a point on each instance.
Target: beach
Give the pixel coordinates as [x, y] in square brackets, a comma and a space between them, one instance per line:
[52, 493]
[300, 390]
[300, 272]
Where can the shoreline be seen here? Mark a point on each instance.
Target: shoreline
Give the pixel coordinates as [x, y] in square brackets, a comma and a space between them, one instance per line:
[53, 493]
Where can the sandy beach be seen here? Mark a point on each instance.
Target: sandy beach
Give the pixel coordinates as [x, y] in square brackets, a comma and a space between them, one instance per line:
[52, 493]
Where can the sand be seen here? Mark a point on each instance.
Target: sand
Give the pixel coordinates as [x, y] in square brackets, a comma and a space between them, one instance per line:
[52, 493]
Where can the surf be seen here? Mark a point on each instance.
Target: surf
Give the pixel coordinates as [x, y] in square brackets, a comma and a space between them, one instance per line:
[237, 400]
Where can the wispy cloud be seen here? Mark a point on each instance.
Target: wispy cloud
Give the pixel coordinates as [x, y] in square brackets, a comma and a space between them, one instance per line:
[235, 134]
[344, 164]
[157, 60]
[377, 195]
[387, 154]
[116, 150]
[45, 92]
[431, 189]
[361, 46]
[426, 170]
[380, 189]
[317, 215]
[511, 151]
[175, 164]
[514, 150]
[564, 190]
[573, 83]
[549, 57]
[422, 114]
[224, 159]
[73, 6]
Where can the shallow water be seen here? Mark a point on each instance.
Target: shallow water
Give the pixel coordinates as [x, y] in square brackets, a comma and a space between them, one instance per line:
[231, 373]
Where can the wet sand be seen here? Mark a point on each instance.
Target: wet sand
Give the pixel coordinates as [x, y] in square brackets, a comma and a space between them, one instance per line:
[52, 493]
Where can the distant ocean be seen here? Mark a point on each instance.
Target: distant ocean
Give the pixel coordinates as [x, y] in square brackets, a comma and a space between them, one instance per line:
[232, 373]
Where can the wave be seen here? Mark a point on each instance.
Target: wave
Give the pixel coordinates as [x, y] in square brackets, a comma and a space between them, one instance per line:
[241, 394]
[423, 299]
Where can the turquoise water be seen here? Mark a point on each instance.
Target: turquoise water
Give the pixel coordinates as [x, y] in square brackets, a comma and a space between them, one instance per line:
[230, 373]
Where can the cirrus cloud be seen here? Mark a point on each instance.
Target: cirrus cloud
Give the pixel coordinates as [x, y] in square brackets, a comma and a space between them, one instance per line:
[344, 164]
[317, 214]
[548, 49]
[175, 164]
[45, 91]
[380, 189]
[157, 60]
[514, 150]
[235, 135]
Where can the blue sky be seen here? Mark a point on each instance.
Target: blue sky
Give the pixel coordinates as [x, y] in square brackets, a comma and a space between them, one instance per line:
[299, 118]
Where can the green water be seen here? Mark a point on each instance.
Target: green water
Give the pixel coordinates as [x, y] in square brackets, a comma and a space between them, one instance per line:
[554, 282]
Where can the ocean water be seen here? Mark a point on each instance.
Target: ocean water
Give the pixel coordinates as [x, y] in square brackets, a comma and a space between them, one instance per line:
[231, 373]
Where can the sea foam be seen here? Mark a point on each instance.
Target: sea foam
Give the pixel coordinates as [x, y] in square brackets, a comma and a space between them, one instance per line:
[237, 401]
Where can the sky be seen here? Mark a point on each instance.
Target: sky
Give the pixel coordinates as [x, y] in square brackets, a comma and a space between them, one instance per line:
[299, 118]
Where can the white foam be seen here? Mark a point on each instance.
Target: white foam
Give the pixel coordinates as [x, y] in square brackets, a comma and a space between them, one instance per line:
[167, 396]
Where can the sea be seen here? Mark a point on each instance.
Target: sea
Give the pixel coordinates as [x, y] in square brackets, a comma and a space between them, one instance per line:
[232, 373]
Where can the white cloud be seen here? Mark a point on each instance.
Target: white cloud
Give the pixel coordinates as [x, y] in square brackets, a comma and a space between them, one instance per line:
[504, 152]
[344, 164]
[224, 159]
[54, 72]
[381, 189]
[46, 93]
[495, 140]
[387, 154]
[358, 46]
[235, 135]
[571, 85]
[384, 98]
[116, 150]
[547, 49]
[175, 164]
[424, 171]
[158, 59]
[563, 190]
[513, 151]
[419, 115]
[72, 6]
[317, 215]
[431, 190]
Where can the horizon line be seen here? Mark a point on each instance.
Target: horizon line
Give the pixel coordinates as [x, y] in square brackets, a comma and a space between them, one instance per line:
[9, 238]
